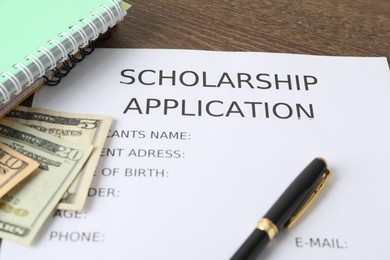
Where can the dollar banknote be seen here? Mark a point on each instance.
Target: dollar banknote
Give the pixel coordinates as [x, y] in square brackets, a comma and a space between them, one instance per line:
[25, 208]
[14, 167]
[80, 128]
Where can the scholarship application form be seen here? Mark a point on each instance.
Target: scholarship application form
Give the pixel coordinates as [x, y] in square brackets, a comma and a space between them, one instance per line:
[203, 143]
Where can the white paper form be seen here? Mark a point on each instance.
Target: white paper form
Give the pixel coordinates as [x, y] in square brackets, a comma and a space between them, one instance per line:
[203, 143]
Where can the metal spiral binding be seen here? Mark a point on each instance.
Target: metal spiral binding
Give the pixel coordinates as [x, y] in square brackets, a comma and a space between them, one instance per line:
[78, 54]
[53, 73]
[27, 73]
[14, 81]
[4, 93]
[66, 66]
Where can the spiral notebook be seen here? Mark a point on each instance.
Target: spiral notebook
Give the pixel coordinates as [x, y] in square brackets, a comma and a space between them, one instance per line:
[42, 40]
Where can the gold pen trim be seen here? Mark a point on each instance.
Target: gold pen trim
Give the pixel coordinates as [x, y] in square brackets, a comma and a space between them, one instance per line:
[312, 197]
[268, 227]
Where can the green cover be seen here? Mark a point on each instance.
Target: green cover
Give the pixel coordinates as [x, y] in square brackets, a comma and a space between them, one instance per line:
[27, 25]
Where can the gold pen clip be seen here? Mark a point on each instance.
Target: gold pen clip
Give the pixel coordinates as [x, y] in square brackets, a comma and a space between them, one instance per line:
[311, 198]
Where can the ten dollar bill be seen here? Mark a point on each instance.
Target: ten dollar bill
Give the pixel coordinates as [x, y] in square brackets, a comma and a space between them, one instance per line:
[27, 206]
[80, 128]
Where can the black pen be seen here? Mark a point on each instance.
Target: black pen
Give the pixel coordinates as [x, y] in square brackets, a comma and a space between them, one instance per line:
[286, 210]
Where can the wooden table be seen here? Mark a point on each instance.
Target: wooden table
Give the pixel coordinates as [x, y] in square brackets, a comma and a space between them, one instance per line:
[328, 27]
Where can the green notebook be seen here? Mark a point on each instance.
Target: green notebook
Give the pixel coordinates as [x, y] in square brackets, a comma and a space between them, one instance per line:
[38, 36]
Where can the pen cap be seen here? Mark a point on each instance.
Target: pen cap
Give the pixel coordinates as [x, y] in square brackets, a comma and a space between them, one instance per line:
[299, 191]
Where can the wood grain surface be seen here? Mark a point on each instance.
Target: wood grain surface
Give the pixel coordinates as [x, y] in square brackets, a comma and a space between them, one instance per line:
[327, 27]
[320, 27]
